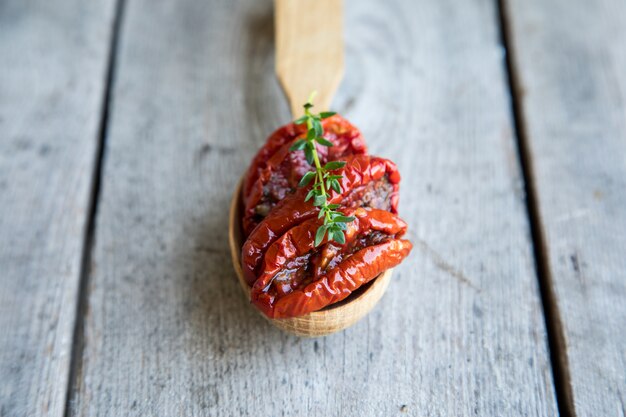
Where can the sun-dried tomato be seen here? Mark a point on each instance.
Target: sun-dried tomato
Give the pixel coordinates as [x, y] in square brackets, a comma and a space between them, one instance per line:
[275, 171]
[366, 181]
[298, 278]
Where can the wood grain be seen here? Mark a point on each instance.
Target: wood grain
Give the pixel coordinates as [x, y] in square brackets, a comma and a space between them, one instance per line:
[572, 83]
[309, 50]
[167, 332]
[53, 63]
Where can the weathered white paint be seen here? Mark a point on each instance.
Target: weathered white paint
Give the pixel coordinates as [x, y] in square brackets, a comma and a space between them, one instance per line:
[571, 67]
[53, 61]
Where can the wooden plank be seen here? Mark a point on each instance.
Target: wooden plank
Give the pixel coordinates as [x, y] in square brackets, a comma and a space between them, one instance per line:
[570, 68]
[460, 331]
[52, 84]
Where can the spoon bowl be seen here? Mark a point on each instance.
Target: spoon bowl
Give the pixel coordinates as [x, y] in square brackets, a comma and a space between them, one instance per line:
[331, 319]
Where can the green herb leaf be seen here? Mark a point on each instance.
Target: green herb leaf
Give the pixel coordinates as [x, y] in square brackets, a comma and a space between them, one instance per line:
[332, 165]
[319, 130]
[306, 179]
[334, 184]
[339, 237]
[308, 154]
[319, 235]
[309, 195]
[324, 142]
[343, 219]
[319, 200]
[298, 145]
[327, 114]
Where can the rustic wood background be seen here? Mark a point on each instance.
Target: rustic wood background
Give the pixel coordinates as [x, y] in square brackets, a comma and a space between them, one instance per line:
[125, 125]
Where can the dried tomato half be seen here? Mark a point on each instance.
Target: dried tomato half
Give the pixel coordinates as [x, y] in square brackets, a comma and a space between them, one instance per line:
[298, 278]
[366, 182]
[275, 171]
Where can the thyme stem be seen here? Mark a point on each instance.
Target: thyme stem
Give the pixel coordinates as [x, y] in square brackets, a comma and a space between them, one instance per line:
[334, 221]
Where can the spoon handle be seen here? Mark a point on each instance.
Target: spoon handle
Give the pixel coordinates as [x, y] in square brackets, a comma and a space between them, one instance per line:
[309, 50]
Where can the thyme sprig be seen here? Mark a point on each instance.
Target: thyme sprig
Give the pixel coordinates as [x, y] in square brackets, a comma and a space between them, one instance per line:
[334, 221]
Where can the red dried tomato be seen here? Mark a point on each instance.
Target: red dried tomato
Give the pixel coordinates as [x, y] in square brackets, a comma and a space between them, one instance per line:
[298, 278]
[366, 181]
[275, 171]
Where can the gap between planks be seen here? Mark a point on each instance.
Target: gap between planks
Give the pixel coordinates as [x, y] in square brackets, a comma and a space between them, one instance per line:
[554, 325]
[88, 239]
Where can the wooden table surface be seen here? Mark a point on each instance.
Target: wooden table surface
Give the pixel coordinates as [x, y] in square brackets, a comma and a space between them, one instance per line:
[125, 125]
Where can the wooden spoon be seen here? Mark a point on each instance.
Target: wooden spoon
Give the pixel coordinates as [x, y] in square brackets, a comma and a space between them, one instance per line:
[309, 57]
